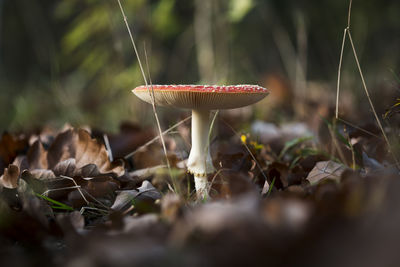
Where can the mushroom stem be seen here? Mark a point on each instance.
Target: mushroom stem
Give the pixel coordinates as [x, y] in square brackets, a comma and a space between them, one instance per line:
[199, 161]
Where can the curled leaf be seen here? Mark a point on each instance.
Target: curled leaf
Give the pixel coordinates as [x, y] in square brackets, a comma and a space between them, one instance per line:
[80, 146]
[37, 156]
[65, 168]
[10, 177]
[145, 192]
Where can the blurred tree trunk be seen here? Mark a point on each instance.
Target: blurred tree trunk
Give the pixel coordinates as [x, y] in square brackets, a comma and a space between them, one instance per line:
[222, 41]
[204, 40]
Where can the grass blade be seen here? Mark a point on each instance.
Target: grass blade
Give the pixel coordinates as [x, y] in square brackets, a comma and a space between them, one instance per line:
[55, 204]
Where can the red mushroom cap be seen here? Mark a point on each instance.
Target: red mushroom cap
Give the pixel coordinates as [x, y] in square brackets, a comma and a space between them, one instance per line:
[202, 96]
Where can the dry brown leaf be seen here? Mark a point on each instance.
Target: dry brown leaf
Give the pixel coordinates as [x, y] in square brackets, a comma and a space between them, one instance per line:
[78, 145]
[98, 189]
[90, 170]
[41, 174]
[145, 192]
[37, 156]
[10, 146]
[124, 199]
[41, 180]
[89, 150]
[325, 170]
[101, 186]
[65, 168]
[10, 177]
[279, 172]
[22, 162]
[62, 148]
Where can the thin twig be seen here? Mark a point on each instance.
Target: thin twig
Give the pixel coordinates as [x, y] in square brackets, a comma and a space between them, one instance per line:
[78, 187]
[46, 193]
[349, 14]
[339, 73]
[95, 199]
[83, 209]
[359, 128]
[341, 59]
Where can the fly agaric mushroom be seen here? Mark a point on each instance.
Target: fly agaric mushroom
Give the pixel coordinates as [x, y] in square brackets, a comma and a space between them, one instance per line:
[201, 99]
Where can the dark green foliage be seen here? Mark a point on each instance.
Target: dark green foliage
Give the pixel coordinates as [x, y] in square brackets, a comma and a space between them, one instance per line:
[72, 61]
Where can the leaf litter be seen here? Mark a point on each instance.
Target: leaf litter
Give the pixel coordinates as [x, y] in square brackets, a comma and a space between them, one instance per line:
[63, 202]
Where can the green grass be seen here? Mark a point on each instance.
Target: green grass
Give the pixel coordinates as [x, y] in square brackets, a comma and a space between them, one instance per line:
[55, 204]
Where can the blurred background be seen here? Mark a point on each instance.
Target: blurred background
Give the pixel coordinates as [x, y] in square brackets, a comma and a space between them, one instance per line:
[72, 60]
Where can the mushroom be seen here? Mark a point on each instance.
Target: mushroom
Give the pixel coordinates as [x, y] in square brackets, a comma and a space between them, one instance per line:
[201, 99]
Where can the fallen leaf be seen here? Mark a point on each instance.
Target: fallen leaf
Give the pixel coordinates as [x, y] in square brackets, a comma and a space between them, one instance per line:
[10, 177]
[62, 148]
[101, 186]
[37, 156]
[79, 145]
[145, 192]
[22, 162]
[10, 146]
[65, 168]
[42, 174]
[45, 181]
[90, 170]
[96, 189]
[124, 199]
[325, 170]
[148, 190]
[89, 150]
[279, 172]
[34, 183]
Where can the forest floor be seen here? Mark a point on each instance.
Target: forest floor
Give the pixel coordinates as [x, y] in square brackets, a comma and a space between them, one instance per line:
[282, 196]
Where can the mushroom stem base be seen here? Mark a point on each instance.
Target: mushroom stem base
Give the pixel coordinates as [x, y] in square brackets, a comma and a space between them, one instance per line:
[199, 162]
[201, 184]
